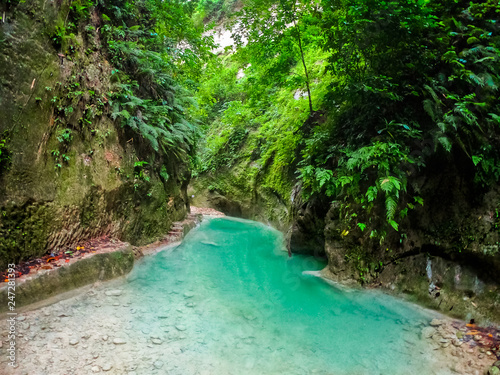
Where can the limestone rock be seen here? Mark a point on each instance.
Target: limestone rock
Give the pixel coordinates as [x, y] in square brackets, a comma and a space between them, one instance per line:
[428, 332]
[158, 364]
[436, 322]
[107, 367]
[114, 293]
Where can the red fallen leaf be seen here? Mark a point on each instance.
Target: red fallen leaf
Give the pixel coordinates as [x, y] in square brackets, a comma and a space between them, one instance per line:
[46, 267]
[66, 260]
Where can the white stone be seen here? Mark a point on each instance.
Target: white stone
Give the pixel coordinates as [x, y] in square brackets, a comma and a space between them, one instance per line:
[107, 367]
[436, 322]
[114, 292]
[119, 341]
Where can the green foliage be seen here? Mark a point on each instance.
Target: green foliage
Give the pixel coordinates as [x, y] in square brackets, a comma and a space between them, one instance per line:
[81, 9]
[407, 73]
[213, 11]
[151, 71]
[5, 153]
[65, 136]
[164, 174]
[140, 172]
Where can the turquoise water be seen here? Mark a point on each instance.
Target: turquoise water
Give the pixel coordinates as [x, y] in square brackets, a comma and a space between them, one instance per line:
[230, 301]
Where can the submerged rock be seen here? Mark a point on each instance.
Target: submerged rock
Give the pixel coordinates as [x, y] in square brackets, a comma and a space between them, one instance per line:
[119, 341]
[114, 293]
[428, 332]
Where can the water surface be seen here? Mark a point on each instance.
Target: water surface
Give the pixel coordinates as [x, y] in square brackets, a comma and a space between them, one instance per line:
[248, 308]
[227, 301]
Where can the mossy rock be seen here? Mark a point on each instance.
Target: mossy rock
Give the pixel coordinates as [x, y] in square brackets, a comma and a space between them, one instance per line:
[86, 271]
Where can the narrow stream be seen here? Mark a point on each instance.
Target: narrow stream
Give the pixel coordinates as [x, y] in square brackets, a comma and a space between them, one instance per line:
[226, 301]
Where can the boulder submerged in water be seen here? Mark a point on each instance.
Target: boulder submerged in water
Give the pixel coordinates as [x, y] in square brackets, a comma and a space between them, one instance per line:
[209, 243]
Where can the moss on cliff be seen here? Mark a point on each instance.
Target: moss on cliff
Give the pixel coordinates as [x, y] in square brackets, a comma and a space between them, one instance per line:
[71, 167]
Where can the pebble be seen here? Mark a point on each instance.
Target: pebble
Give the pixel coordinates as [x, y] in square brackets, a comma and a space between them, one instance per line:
[489, 353]
[114, 293]
[477, 337]
[158, 364]
[21, 318]
[73, 341]
[460, 335]
[95, 369]
[119, 341]
[107, 367]
[494, 370]
[180, 327]
[480, 356]
[457, 342]
[436, 322]
[250, 317]
[105, 338]
[427, 332]
[189, 294]
[157, 341]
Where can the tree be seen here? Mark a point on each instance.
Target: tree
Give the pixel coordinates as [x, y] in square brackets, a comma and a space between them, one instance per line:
[277, 30]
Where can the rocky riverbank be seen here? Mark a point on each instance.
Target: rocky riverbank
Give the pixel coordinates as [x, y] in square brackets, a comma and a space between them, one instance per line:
[468, 349]
[98, 259]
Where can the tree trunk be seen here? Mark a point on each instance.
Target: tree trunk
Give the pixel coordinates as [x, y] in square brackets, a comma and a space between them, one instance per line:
[305, 69]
